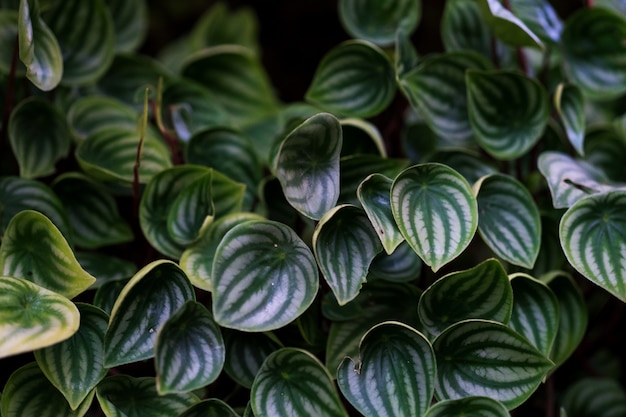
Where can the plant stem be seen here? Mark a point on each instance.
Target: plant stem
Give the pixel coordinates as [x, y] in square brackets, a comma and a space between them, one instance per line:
[521, 59]
[550, 397]
[170, 138]
[8, 100]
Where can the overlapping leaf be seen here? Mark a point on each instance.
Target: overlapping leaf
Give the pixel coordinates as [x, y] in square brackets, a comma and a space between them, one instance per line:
[406, 55]
[192, 210]
[468, 406]
[245, 353]
[540, 17]
[361, 137]
[219, 25]
[506, 26]
[92, 114]
[356, 168]
[599, 396]
[210, 408]
[130, 23]
[570, 103]
[402, 265]
[105, 267]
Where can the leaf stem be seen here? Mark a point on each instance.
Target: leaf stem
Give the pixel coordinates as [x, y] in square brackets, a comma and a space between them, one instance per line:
[170, 138]
[8, 100]
[522, 61]
[550, 397]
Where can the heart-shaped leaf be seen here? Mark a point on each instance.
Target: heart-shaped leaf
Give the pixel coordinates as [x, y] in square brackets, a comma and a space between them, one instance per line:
[595, 396]
[130, 23]
[540, 17]
[402, 265]
[468, 406]
[506, 26]
[210, 408]
[245, 353]
[92, 114]
[435, 210]
[264, 276]
[394, 375]
[570, 103]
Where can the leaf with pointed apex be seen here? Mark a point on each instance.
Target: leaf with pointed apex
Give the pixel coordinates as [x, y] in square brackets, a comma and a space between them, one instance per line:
[105, 268]
[402, 265]
[361, 137]
[126, 396]
[540, 17]
[406, 55]
[481, 292]
[245, 353]
[292, 382]
[506, 26]
[264, 276]
[92, 114]
[189, 350]
[146, 302]
[210, 408]
[76, 365]
[589, 397]
[345, 243]
[35, 250]
[570, 104]
[508, 111]
[593, 48]
[435, 210]
[463, 28]
[355, 169]
[468, 406]
[192, 210]
[354, 79]
[486, 358]
[308, 165]
[33, 317]
[130, 23]
[394, 374]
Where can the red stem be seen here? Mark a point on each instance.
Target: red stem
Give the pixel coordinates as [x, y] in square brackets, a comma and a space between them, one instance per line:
[521, 59]
[550, 397]
[589, 3]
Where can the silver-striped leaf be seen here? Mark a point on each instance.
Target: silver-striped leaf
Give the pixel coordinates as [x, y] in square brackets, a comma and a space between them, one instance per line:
[540, 17]
[535, 312]
[76, 365]
[593, 237]
[210, 408]
[127, 396]
[105, 267]
[345, 243]
[292, 382]
[147, 301]
[435, 210]
[463, 28]
[229, 195]
[469, 406]
[598, 396]
[508, 111]
[394, 374]
[402, 265]
[130, 23]
[481, 292]
[32, 317]
[508, 219]
[192, 210]
[406, 54]
[91, 114]
[355, 169]
[506, 26]
[307, 165]
[570, 104]
[35, 250]
[487, 358]
[245, 353]
[264, 276]
[107, 294]
[354, 79]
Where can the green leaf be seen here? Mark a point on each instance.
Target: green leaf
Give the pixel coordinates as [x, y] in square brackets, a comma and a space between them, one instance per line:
[402, 265]
[39, 137]
[593, 48]
[593, 236]
[76, 365]
[406, 55]
[345, 243]
[355, 169]
[540, 17]
[39, 49]
[130, 23]
[35, 250]
[377, 21]
[507, 110]
[192, 210]
[361, 137]
[485, 358]
[468, 406]
[107, 294]
[570, 104]
[245, 353]
[394, 374]
[435, 210]
[189, 350]
[8, 36]
[618, 6]
[93, 114]
[264, 276]
[33, 317]
[481, 292]
[605, 147]
[509, 220]
[292, 382]
[210, 408]
[467, 163]
[308, 165]
[506, 26]
[595, 397]
[219, 26]
[354, 79]
[146, 302]
[126, 396]
[105, 268]
[463, 28]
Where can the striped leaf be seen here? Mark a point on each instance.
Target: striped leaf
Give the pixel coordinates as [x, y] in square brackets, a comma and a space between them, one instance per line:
[105, 267]
[374, 194]
[570, 103]
[361, 137]
[354, 79]
[402, 265]
[92, 114]
[210, 408]
[509, 220]
[394, 374]
[345, 243]
[593, 48]
[435, 210]
[146, 302]
[33, 317]
[507, 110]
[618, 6]
[38, 48]
[468, 406]
[506, 26]
[377, 21]
[92, 212]
[463, 28]
[540, 17]
[486, 358]
[76, 365]
[192, 210]
[482, 292]
[130, 23]
[308, 165]
[264, 276]
[228, 195]
[605, 148]
[355, 169]
[29, 393]
[406, 55]
[189, 350]
[466, 162]
[292, 382]
[595, 397]
[219, 25]
[593, 236]
[197, 259]
[35, 250]
[107, 294]
[245, 353]
[437, 90]
[126, 396]
[535, 312]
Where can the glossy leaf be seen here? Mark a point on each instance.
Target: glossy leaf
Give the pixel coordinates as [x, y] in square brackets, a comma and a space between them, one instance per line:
[146, 302]
[292, 382]
[76, 365]
[245, 353]
[406, 55]
[468, 406]
[107, 294]
[467, 163]
[93, 114]
[130, 23]
[595, 396]
[264, 276]
[463, 28]
[402, 265]
[485, 358]
[435, 211]
[192, 210]
[210, 408]
[219, 26]
[354, 79]
[507, 110]
[361, 137]
[394, 374]
[35, 250]
[106, 268]
[355, 169]
[506, 26]
[33, 317]
[540, 17]
[570, 103]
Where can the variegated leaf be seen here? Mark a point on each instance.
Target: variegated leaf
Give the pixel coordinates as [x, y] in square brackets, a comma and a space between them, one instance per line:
[361, 137]
[402, 265]
[595, 396]
[355, 169]
[468, 163]
[245, 353]
[463, 28]
[406, 55]
[570, 103]
[92, 114]
[130, 23]
[107, 294]
[105, 267]
[540, 17]
[210, 408]
[221, 25]
[192, 210]
[468, 406]
[506, 26]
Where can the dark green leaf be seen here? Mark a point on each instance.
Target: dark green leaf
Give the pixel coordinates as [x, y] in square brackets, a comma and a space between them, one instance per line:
[130, 23]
